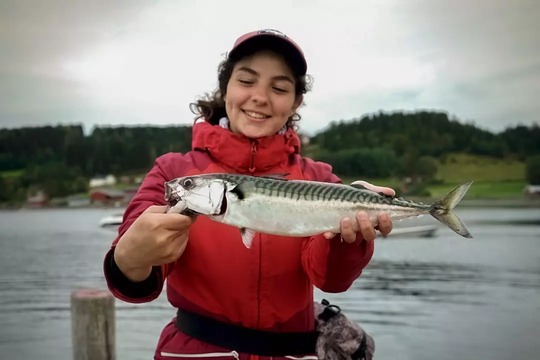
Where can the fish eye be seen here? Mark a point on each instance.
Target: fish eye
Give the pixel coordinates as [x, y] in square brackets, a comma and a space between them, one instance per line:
[188, 183]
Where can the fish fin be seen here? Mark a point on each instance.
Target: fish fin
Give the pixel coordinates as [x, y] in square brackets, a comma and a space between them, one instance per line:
[247, 236]
[238, 192]
[442, 210]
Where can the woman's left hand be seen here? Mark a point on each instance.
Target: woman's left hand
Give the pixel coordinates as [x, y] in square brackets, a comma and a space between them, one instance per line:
[364, 226]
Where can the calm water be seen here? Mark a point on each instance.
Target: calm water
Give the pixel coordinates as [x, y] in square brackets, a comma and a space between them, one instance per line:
[439, 298]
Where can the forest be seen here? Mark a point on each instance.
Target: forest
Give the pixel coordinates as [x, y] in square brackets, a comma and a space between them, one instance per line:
[61, 159]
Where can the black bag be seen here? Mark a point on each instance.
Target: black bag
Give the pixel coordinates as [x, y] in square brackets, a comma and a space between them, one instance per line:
[340, 338]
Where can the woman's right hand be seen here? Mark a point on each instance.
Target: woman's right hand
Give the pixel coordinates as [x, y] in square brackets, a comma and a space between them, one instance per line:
[154, 238]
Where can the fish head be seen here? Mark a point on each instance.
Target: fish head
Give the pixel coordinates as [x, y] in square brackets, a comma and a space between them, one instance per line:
[197, 194]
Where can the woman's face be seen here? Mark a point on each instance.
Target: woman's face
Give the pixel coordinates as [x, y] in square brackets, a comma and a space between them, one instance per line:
[260, 95]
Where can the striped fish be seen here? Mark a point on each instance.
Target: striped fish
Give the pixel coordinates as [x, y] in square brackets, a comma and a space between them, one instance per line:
[278, 206]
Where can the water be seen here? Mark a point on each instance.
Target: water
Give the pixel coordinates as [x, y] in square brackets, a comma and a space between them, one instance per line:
[439, 298]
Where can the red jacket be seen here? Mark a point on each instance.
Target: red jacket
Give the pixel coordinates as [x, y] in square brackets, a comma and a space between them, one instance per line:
[270, 285]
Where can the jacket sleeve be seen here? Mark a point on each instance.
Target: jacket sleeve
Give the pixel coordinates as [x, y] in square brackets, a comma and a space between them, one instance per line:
[150, 192]
[332, 265]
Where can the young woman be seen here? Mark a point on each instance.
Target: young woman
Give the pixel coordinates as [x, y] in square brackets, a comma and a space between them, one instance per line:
[233, 301]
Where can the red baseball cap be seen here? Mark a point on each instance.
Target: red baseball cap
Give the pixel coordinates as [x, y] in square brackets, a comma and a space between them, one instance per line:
[272, 40]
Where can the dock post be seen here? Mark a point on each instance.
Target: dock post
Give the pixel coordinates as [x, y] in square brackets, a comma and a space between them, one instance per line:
[93, 325]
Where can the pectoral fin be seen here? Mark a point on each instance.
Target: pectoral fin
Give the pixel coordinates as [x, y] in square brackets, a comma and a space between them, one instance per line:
[247, 236]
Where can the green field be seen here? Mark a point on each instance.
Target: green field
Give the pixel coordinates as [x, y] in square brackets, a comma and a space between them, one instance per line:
[457, 168]
[11, 173]
[493, 178]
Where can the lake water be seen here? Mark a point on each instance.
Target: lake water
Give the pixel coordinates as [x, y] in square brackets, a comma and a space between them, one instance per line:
[435, 298]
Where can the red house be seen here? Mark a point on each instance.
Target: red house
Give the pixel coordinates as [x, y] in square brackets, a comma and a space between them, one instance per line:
[106, 197]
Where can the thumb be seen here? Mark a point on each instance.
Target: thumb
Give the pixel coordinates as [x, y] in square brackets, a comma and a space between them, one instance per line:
[378, 189]
[157, 209]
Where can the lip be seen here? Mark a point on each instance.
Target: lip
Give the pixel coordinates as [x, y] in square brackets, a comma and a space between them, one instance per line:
[266, 117]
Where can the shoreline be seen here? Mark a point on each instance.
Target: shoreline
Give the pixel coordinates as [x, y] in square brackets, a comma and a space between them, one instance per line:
[485, 202]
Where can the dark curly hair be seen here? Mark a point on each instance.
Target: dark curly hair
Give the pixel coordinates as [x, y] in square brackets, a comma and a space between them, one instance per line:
[211, 107]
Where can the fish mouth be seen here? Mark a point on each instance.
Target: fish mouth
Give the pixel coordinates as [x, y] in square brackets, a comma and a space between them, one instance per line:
[173, 201]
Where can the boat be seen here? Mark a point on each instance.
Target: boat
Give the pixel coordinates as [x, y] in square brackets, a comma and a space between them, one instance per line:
[113, 220]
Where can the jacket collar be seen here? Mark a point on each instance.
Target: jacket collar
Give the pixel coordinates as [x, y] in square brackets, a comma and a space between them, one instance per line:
[243, 154]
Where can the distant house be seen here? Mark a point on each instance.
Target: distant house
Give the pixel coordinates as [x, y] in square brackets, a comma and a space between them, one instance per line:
[129, 193]
[532, 190]
[106, 197]
[98, 181]
[39, 199]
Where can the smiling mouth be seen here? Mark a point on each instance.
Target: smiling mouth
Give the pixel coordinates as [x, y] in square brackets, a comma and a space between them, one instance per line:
[255, 115]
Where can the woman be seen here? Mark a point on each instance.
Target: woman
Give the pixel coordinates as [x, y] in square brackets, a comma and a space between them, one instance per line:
[233, 301]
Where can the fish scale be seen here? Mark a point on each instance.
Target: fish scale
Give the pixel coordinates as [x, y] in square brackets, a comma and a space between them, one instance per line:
[319, 191]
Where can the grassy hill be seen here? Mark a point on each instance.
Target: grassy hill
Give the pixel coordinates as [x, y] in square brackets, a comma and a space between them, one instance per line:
[493, 178]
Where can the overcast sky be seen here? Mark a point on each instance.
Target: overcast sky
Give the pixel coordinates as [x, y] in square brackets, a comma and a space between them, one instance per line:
[134, 62]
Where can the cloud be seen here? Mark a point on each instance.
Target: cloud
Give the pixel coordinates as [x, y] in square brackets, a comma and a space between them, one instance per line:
[143, 62]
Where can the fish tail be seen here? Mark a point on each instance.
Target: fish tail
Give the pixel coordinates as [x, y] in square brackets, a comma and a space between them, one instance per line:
[442, 210]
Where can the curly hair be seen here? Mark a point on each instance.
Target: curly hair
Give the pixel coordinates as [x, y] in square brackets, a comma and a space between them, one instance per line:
[211, 107]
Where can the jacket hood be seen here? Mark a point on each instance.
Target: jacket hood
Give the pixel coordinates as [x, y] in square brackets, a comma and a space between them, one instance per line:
[241, 153]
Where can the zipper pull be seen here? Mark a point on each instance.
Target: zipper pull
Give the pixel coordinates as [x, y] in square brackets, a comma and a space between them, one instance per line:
[253, 153]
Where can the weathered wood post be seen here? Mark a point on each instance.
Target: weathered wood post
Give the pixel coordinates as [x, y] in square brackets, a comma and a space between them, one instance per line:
[93, 325]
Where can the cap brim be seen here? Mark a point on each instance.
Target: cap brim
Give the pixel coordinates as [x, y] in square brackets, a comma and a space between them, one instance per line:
[290, 52]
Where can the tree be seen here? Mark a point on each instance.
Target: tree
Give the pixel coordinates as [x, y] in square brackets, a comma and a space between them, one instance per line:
[532, 170]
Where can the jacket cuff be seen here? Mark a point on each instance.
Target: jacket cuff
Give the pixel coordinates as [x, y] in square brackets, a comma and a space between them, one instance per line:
[118, 282]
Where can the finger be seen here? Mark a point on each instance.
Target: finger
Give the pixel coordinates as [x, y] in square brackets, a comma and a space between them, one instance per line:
[385, 224]
[180, 243]
[365, 226]
[328, 235]
[176, 222]
[378, 189]
[158, 209]
[347, 232]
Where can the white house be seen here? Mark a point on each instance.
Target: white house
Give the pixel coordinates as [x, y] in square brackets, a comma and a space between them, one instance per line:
[98, 181]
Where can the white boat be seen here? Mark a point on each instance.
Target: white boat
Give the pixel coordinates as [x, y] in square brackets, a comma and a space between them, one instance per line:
[113, 220]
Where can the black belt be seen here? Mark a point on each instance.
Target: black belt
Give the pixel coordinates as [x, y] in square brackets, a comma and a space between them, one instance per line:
[245, 340]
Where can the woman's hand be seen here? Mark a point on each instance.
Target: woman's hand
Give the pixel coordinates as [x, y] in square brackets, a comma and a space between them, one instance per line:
[155, 238]
[363, 225]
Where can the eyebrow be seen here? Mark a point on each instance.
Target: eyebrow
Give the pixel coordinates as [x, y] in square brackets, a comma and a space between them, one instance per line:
[254, 73]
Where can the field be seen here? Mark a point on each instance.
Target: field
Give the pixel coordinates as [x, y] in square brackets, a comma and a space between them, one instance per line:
[493, 178]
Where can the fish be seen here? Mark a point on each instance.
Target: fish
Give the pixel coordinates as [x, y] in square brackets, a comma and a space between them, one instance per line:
[297, 208]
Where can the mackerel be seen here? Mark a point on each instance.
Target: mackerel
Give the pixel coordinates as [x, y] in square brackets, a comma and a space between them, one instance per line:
[274, 205]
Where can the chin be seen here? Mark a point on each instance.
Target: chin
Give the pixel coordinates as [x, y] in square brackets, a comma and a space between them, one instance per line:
[258, 133]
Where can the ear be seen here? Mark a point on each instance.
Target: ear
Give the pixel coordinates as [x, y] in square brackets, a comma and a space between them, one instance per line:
[297, 103]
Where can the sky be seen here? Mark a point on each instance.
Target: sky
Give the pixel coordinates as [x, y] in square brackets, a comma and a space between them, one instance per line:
[142, 62]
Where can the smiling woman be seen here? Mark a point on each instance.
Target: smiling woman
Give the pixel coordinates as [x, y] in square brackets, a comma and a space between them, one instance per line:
[246, 126]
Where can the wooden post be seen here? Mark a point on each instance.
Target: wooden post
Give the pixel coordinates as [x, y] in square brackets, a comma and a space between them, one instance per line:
[92, 325]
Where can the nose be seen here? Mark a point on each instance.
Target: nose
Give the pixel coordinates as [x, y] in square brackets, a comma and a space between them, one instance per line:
[259, 95]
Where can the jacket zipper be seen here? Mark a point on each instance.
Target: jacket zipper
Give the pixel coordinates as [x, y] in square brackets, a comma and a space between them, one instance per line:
[252, 160]
[204, 355]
